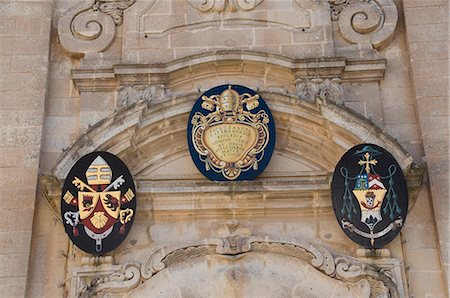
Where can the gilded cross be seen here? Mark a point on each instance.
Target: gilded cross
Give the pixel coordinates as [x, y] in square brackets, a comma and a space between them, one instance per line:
[367, 162]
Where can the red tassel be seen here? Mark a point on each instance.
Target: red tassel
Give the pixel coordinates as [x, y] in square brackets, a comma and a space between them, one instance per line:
[122, 230]
[75, 231]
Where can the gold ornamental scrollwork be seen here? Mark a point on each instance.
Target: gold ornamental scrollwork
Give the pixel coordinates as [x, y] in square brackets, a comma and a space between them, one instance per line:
[231, 138]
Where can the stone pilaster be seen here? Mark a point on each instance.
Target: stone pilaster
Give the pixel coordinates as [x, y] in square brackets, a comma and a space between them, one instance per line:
[24, 54]
[427, 35]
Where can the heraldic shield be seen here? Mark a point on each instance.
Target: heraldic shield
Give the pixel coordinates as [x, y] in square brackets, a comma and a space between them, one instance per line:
[370, 197]
[231, 133]
[98, 202]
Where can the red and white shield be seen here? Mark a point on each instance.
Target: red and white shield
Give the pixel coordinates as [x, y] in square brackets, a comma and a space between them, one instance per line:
[99, 211]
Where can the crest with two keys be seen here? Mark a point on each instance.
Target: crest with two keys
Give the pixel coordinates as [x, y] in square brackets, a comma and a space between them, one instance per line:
[98, 202]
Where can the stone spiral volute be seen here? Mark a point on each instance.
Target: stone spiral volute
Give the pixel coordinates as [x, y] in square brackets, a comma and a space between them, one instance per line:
[90, 26]
[365, 21]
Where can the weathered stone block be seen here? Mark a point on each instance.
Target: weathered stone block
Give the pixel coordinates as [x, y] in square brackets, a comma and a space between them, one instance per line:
[403, 132]
[430, 68]
[303, 51]
[421, 3]
[427, 283]
[426, 14]
[14, 286]
[14, 241]
[400, 114]
[14, 265]
[29, 63]
[426, 50]
[40, 9]
[7, 27]
[19, 156]
[434, 106]
[427, 32]
[22, 100]
[212, 38]
[21, 136]
[270, 36]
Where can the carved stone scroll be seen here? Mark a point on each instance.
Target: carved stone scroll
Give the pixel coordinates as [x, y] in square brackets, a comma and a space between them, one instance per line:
[122, 278]
[90, 26]
[365, 21]
[224, 5]
[113, 279]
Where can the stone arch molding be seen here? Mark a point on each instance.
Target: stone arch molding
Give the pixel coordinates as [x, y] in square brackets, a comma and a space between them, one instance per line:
[322, 129]
[233, 246]
[148, 132]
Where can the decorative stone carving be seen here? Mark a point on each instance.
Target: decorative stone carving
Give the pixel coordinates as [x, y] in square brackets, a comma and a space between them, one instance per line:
[338, 5]
[90, 26]
[131, 94]
[123, 278]
[309, 4]
[325, 89]
[365, 21]
[224, 5]
[383, 282]
[114, 8]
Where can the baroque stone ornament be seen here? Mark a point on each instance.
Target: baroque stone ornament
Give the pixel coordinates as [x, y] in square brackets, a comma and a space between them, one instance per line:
[224, 5]
[98, 202]
[90, 26]
[370, 197]
[131, 94]
[384, 281]
[325, 89]
[231, 133]
[365, 21]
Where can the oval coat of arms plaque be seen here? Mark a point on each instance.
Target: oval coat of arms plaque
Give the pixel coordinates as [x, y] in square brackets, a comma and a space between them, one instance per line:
[98, 202]
[370, 197]
[231, 133]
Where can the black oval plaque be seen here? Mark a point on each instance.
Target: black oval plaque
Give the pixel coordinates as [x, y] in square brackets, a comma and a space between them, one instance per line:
[98, 202]
[370, 197]
[231, 133]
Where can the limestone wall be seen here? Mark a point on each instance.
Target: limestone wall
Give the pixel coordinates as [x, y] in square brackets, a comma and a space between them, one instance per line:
[427, 28]
[24, 56]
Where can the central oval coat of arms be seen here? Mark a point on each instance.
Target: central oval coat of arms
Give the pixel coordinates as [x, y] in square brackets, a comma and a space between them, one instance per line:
[231, 133]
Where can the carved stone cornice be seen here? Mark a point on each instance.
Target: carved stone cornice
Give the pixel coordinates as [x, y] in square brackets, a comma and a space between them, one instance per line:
[224, 5]
[248, 62]
[371, 22]
[238, 240]
[90, 26]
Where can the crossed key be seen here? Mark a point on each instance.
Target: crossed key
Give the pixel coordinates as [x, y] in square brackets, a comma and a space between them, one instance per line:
[81, 185]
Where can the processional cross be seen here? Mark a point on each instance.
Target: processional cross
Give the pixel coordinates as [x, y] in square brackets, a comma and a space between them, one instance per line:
[367, 162]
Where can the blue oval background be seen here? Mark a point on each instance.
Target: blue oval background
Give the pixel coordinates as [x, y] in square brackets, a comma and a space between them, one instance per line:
[251, 173]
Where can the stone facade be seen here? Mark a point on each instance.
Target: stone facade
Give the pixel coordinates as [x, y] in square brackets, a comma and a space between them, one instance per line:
[122, 76]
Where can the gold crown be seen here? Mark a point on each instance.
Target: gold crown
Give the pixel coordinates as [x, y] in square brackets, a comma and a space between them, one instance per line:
[229, 100]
